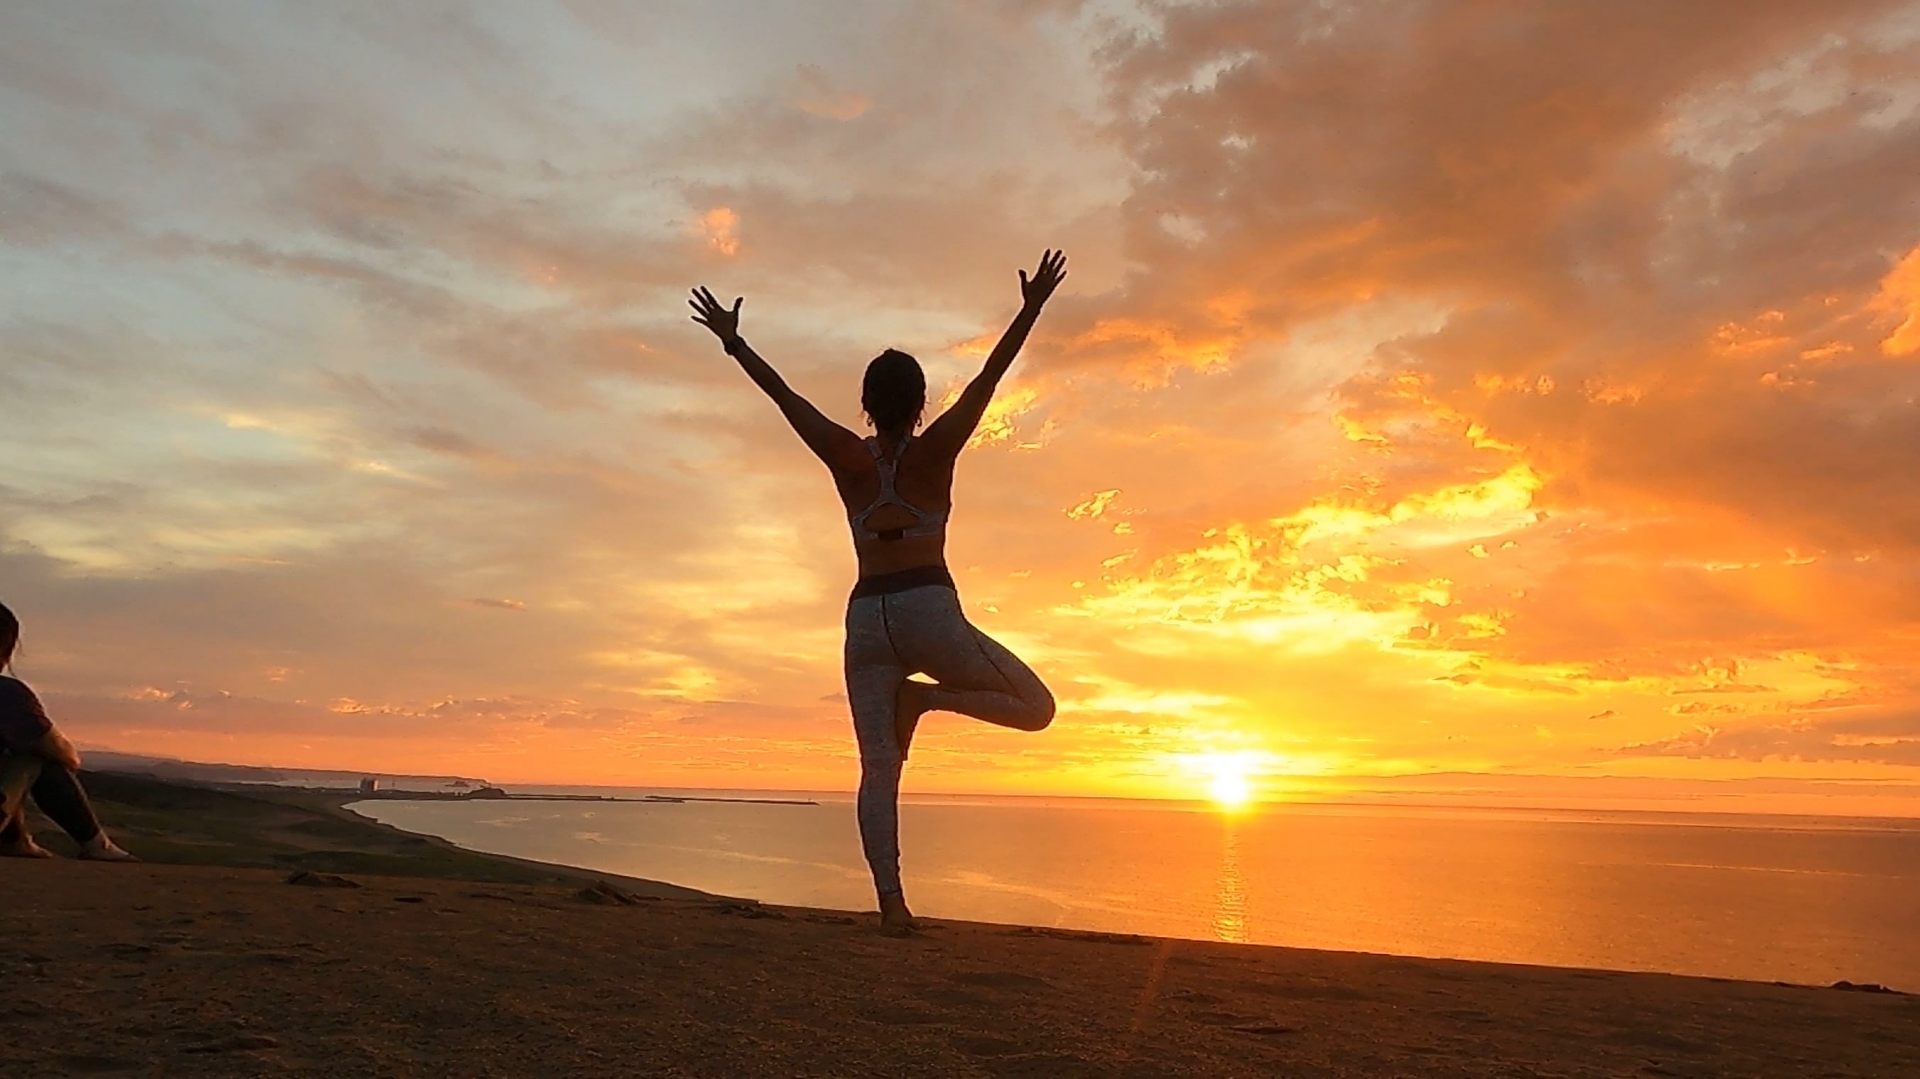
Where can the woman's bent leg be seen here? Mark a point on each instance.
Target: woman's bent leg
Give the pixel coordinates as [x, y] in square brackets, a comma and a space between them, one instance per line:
[977, 676]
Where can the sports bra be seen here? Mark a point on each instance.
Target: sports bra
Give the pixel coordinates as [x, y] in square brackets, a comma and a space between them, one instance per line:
[926, 522]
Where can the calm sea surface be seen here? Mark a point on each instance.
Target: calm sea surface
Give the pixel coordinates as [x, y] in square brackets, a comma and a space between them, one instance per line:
[1804, 899]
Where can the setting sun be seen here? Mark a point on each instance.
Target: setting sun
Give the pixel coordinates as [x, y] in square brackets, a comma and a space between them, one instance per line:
[1232, 789]
[1229, 777]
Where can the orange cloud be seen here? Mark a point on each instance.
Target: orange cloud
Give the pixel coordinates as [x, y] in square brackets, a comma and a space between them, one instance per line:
[720, 224]
[815, 94]
[1900, 296]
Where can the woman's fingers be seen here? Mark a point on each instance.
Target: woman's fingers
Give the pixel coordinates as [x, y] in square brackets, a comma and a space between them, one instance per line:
[1052, 265]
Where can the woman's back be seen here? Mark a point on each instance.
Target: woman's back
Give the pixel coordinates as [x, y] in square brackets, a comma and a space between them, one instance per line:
[898, 494]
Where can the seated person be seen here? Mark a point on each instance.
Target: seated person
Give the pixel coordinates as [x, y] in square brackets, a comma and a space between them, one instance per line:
[36, 758]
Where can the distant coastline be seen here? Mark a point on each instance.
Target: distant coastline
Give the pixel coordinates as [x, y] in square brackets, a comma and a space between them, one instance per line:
[497, 794]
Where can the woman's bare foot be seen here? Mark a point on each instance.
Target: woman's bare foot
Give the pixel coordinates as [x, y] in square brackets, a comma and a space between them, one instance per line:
[909, 704]
[895, 919]
[102, 849]
[24, 847]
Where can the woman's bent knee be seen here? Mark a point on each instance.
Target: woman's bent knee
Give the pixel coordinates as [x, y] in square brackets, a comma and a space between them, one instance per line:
[1041, 715]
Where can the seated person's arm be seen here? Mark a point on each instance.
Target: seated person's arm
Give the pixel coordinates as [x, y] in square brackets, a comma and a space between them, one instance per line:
[25, 728]
[55, 747]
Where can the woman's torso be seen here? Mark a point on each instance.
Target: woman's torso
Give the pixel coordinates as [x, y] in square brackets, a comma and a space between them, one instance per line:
[890, 537]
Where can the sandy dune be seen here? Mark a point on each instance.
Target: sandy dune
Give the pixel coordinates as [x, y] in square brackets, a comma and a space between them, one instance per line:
[181, 970]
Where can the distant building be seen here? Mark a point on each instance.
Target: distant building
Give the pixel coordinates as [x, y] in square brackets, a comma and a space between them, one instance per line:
[369, 785]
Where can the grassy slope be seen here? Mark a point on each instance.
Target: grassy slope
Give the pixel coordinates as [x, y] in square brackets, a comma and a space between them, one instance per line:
[286, 829]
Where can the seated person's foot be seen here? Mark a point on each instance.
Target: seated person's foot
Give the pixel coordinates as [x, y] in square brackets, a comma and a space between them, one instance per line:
[23, 847]
[910, 702]
[895, 919]
[102, 849]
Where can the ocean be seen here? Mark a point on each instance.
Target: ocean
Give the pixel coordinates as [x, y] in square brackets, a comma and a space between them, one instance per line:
[1799, 899]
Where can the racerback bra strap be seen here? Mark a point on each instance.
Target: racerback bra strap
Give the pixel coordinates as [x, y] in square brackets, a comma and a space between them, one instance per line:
[926, 523]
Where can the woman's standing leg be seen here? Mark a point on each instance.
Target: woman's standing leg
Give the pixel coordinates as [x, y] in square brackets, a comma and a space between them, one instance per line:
[974, 674]
[874, 674]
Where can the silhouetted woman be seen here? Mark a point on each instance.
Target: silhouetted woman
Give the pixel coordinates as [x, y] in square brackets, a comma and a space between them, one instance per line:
[35, 757]
[904, 616]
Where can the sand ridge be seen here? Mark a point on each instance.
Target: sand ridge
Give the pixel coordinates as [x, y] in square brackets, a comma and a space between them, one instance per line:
[191, 970]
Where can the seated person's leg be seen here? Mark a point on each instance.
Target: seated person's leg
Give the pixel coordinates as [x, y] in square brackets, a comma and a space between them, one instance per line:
[58, 793]
[17, 774]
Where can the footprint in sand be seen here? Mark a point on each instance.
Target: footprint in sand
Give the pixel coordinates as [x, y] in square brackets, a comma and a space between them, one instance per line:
[1001, 979]
[95, 1063]
[268, 957]
[1042, 1065]
[985, 1045]
[1245, 1024]
[1307, 991]
[1266, 1030]
[1086, 936]
[238, 1043]
[902, 1017]
[955, 998]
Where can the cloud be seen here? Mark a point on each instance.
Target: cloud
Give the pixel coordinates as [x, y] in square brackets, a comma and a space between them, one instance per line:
[503, 604]
[814, 93]
[1873, 738]
[719, 224]
[1423, 364]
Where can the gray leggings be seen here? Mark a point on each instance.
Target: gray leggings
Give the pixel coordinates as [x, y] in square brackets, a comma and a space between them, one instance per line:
[922, 631]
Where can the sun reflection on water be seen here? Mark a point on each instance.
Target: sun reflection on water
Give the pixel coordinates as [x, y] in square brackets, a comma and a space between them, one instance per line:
[1230, 897]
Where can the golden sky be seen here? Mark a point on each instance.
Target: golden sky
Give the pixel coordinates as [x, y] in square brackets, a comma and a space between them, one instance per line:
[1501, 402]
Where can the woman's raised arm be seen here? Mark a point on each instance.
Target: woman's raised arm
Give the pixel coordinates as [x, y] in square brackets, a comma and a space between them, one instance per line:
[956, 425]
[832, 443]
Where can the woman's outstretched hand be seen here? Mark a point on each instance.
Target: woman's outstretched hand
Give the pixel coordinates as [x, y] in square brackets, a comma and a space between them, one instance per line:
[1052, 271]
[707, 311]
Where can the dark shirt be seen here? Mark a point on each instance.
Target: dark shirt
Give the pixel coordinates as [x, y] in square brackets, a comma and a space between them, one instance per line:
[22, 721]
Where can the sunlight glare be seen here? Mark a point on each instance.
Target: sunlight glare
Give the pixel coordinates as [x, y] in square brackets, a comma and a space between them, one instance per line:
[1232, 788]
